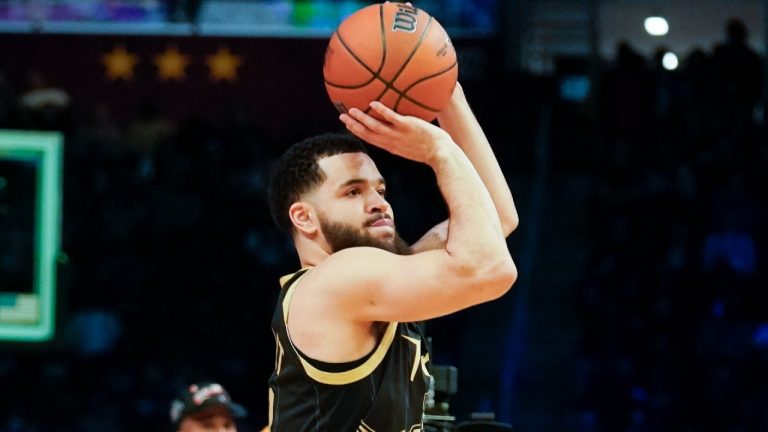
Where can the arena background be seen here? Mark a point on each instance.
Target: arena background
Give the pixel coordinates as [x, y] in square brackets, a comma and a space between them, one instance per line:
[641, 303]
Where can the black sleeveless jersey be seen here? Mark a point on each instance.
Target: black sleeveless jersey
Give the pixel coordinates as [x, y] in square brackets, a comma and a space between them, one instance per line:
[382, 392]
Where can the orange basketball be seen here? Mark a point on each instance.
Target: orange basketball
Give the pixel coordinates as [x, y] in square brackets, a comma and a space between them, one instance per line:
[394, 53]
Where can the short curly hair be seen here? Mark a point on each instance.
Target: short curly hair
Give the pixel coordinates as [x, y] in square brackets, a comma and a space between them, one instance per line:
[297, 172]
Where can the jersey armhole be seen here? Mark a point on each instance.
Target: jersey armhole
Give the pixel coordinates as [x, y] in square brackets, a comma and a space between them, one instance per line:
[354, 373]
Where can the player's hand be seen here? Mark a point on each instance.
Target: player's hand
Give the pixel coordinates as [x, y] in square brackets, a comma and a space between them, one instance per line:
[406, 136]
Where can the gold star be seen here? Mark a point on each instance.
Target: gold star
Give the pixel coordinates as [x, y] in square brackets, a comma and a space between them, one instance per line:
[223, 65]
[119, 63]
[171, 64]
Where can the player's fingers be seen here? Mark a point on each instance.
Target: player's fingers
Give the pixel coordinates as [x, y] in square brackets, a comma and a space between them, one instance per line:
[369, 122]
[347, 119]
[354, 126]
[365, 133]
[387, 113]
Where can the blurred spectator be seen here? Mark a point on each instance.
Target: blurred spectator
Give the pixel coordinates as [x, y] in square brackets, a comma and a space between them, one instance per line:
[698, 111]
[43, 105]
[629, 99]
[205, 407]
[738, 75]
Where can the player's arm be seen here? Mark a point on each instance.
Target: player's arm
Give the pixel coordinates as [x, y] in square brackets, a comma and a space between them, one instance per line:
[474, 266]
[458, 120]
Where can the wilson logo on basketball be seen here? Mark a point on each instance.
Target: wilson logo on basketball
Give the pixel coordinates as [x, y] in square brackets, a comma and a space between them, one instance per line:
[444, 49]
[405, 19]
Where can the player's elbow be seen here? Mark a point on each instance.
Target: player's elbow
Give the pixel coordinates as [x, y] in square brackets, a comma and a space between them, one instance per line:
[489, 278]
[504, 276]
[509, 223]
[496, 278]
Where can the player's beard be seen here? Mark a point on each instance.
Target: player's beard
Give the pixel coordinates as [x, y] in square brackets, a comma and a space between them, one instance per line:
[341, 235]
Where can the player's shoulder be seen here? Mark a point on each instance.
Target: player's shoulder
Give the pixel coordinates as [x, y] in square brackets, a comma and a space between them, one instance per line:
[356, 253]
[350, 265]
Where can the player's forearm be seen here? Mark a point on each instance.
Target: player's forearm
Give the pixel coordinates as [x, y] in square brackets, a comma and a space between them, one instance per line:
[458, 120]
[475, 238]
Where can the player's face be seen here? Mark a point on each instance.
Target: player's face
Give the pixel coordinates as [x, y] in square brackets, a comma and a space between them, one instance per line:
[353, 210]
[214, 419]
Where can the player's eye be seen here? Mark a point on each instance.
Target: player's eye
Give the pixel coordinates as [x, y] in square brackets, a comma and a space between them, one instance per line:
[353, 192]
[382, 192]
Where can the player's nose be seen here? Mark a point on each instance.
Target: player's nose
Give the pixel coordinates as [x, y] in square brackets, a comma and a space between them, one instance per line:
[377, 204]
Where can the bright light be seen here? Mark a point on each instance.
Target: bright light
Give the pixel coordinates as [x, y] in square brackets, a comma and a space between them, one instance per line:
[669, 61]
[656, 26]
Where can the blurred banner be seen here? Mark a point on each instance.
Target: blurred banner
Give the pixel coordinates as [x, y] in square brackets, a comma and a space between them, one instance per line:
[252, 17]
[212, 77]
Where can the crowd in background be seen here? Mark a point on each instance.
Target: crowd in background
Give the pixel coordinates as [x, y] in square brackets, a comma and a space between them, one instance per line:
[173, 262]
[674, 302]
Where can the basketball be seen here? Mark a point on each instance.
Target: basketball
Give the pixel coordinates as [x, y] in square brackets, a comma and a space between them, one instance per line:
[394, 53]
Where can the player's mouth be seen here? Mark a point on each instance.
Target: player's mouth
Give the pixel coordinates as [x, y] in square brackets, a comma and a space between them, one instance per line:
[381, 221]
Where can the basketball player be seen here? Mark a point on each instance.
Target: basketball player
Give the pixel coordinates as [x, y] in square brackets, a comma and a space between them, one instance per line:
[349, 356]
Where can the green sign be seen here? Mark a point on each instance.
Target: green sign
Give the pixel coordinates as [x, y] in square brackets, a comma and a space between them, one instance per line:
[30, 232]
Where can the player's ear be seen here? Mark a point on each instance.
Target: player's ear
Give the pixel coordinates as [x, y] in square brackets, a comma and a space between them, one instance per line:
[304, 218]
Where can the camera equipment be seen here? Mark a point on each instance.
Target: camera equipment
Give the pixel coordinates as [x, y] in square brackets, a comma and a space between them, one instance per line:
[437, 418]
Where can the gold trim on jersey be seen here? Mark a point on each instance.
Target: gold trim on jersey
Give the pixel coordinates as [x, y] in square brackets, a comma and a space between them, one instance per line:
[344, 377]
[364, 427]
[284, 279]
[271, 407]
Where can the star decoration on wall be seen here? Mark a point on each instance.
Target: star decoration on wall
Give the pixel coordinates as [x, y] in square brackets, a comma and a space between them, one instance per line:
[223, 65]
[119, 63]
[171, 64]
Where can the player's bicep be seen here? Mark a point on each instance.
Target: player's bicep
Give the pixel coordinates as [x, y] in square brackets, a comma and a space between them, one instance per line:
[375, 285]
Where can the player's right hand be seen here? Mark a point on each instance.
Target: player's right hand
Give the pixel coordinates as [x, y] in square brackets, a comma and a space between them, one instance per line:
[406, 136]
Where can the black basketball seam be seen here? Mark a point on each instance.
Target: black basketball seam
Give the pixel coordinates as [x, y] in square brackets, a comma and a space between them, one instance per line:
[390, 85]
[383, 36]
[413, 52]
[383, 39]
[404, 94]
[374, 75]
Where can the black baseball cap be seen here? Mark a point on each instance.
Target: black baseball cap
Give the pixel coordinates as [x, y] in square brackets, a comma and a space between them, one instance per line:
[200, 396]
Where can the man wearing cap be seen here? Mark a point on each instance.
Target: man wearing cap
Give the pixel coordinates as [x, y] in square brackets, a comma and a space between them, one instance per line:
[205, 407]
